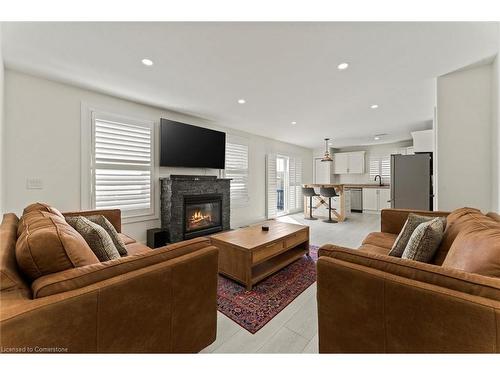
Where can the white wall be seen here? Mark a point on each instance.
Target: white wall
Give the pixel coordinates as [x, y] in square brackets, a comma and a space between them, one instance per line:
[2, 179]
[464, 133]
[43, 140]
[495, 136]
[377, 150]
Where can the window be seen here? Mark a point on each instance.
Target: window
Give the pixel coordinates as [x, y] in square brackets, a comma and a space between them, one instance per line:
[295, 192]
[380, 165]
[122, 165]
[237, 170]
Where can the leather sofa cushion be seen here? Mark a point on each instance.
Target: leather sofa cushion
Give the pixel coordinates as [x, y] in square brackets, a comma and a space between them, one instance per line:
[372, 249]
[49, 245]
[137, 248]
[476, 249]
[456, 221]
[380, 239]
[10, 278]
[494, 216]
[83, 276]
[34, 208]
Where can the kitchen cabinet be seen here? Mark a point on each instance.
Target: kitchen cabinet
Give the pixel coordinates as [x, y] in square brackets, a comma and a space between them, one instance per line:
[384, 196]
[370, 199]
[423, 140]
[376, 199]
[349, 162]
[341, 163]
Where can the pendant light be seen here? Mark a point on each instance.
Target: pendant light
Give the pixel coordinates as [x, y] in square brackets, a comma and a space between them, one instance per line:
[327, 156]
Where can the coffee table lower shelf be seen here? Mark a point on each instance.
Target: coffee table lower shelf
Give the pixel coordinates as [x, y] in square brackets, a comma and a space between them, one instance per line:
[267, 268]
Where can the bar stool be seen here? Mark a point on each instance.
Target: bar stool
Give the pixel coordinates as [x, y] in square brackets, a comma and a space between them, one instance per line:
[309, 192]
[329, 192]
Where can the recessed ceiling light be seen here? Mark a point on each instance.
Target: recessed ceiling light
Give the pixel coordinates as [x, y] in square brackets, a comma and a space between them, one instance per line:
[294, 122]
[376, 138]
[242, 101]
[343, 66]
[147, 62]
[374, 106]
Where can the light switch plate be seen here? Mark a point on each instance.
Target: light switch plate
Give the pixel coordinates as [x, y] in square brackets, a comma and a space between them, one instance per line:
[34, 183]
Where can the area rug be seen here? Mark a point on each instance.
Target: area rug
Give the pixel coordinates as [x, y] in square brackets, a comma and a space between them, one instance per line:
[254, 309]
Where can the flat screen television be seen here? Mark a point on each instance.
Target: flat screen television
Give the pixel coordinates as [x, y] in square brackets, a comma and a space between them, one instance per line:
[184, 145]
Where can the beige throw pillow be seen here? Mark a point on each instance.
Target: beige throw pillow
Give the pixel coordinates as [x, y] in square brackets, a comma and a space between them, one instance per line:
[110, 229]
[96, 237]
[411, 224]
[425, 240]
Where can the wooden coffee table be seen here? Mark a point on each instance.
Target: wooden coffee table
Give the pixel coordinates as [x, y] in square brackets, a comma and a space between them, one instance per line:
[248, 255]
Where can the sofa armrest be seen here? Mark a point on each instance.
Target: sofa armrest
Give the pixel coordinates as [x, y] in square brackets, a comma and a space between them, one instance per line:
[470, 283]
[328, 250]
[365, 310]
[168, 307]
[83, 276]
[392, 220]
[113, 215]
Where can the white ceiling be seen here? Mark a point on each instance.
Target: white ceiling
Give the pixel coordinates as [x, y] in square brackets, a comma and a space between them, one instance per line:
[285, 71]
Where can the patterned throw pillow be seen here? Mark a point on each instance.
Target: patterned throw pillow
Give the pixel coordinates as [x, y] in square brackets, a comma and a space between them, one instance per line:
[96, 237]
[108, 227]
[425, 240]
[411, 224]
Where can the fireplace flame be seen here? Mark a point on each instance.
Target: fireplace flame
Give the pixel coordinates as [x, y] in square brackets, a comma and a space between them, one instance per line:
[198, 217]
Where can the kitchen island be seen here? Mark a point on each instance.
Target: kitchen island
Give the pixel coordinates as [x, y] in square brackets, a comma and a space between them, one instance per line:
[318, 201]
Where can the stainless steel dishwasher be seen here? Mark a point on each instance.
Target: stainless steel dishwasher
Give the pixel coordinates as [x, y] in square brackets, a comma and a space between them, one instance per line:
[356, 199]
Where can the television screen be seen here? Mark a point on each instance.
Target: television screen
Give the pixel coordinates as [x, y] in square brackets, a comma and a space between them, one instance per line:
[183, 145]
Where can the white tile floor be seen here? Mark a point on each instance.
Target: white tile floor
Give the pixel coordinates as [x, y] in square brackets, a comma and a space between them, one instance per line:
[295, 328]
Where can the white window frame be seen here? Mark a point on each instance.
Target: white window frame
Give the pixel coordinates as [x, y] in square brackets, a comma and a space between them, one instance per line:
[88, 115]
[379, 159]
[244, 142]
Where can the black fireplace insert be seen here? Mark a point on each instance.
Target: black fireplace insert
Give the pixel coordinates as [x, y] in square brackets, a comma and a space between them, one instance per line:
[202, 215]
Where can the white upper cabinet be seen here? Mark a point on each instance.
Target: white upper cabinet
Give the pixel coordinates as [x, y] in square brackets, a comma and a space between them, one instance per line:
[423, 141]
[349, 162]
[340, 163]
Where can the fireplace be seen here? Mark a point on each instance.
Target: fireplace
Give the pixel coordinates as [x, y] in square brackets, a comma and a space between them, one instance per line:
[205, 199]
[202, 215]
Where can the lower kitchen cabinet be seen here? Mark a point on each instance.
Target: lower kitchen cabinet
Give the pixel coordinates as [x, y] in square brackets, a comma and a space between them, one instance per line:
[376, 199]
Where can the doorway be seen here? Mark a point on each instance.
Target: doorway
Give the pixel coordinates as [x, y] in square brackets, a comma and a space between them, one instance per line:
[282, 184]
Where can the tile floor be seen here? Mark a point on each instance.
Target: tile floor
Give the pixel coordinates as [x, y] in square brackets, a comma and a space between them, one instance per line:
[295, 328]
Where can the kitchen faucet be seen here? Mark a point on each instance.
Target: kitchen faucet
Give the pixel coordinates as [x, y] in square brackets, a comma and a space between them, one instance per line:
[379, 179]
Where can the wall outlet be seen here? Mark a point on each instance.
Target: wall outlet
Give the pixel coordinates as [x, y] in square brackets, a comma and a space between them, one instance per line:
[34, 183]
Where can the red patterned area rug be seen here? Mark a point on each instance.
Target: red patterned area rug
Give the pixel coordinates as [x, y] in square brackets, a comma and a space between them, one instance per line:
[254, 309]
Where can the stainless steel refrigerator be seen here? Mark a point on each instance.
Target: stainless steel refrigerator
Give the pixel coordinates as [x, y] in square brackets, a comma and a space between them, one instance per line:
[411, 181]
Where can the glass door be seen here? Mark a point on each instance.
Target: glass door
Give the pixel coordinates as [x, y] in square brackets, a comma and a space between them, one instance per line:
[282, 185]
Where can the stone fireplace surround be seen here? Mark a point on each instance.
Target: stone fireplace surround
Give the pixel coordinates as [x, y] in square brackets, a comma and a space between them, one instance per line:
[173, 190]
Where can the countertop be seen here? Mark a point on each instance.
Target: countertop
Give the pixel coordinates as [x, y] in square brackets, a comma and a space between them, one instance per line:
[349, 186]
[377, 186]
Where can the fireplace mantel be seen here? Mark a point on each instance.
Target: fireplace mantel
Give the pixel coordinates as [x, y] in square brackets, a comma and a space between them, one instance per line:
[173, 190]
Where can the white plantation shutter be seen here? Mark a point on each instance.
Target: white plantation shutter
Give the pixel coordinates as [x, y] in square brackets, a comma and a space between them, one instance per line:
[295, 191]
[271, 186]
[380, 165]
[385, 167]
[237, 170]
[122, 165]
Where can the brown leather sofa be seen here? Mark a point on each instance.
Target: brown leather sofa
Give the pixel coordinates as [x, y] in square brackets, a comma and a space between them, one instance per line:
[369, 302]
[153, 301]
